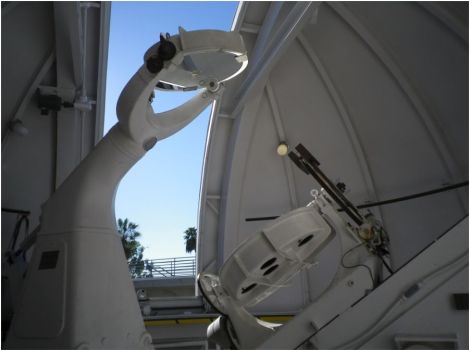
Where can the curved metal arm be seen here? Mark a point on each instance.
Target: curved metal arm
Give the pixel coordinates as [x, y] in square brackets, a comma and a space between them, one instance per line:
[137, 118]
[86, 199]
[169, 122]
[134, 111]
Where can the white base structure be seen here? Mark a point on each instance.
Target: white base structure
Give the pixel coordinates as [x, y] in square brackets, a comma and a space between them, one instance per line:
[77, 291]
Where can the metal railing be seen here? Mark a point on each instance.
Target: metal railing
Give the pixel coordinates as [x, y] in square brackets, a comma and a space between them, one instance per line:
[164, 268]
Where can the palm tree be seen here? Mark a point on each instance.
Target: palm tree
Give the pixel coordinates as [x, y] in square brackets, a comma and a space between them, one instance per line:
[132, 248]
[190, 235]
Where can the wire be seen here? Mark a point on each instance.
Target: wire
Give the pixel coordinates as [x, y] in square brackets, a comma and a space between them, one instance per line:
[412, 196]
[385, 264]
[14, 210]
[403, 297]
[439, 270]
[384, 202]
[423, 281]
[357, 265]
[20, 219]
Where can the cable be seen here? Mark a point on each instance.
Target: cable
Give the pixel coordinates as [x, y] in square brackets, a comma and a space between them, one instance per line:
[439, 270]
[385, 264]
[423, 280]
[13, 210]
[403, 297]
[384, 202]
[383, 251]
[412, 290]
[357, 265]
[412, 196]
[21, 218]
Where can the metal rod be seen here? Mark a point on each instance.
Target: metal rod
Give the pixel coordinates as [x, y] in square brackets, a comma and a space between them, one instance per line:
[310, 165]
[385, 202]
[414, 196]
[13, 210]
[253, 219]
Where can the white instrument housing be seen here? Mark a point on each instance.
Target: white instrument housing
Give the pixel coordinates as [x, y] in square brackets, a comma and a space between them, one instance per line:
[270, 258]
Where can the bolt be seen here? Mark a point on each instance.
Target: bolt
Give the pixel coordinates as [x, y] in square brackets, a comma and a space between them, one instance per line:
[213, 86]
[350, 283]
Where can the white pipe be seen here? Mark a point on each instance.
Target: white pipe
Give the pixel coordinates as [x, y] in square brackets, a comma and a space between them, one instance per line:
[105, 16]
[289, 29]
[264, 35]
[85, 6]
[83, 95]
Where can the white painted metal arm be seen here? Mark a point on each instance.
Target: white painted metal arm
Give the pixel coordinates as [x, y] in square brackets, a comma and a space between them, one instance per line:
[78, 248]
[169, 122]
[137, 118]
[203, 59]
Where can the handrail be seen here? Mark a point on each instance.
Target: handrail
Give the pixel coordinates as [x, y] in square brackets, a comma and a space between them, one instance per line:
[172, 267]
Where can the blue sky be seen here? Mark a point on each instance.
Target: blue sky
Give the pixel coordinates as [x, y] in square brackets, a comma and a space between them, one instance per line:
[161, 192]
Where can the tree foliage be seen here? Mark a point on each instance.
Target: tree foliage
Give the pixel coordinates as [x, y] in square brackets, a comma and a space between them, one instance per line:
[133, 249]
[190, 235]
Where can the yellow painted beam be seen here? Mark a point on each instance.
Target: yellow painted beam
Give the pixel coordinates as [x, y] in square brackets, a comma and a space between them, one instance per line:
[160, 322]
[165, 322]
[194, 321]
[276, 319]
